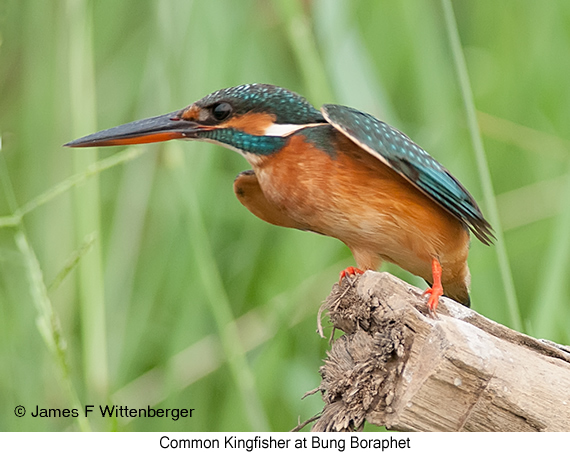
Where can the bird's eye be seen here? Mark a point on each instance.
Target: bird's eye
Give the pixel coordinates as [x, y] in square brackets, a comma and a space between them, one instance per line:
[221, 111]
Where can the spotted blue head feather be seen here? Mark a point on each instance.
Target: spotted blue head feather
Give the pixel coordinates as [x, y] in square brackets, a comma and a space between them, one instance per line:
[287, 106]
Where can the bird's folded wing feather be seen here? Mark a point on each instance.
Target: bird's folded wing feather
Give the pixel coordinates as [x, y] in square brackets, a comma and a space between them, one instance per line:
[396, 150]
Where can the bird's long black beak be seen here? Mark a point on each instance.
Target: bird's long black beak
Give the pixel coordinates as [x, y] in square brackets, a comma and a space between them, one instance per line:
[151, 130]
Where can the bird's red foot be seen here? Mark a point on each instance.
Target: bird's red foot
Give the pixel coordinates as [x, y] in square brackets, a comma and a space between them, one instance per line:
[349, 271]
[436, 290]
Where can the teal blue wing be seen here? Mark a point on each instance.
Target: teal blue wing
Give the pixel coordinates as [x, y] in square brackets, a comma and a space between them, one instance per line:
[405, 157]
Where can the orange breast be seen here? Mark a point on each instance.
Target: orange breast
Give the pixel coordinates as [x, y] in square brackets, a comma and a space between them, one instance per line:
[356, 198]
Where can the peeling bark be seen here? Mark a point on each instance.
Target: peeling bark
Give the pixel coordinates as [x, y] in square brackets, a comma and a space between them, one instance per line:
[395, 366]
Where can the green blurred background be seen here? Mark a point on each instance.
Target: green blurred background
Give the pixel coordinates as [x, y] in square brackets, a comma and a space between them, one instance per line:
[133, 275]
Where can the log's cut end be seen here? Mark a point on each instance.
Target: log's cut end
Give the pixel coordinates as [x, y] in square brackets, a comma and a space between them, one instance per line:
[395, 366]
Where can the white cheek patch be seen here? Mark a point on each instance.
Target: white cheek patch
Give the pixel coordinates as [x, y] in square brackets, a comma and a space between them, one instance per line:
[282, 130]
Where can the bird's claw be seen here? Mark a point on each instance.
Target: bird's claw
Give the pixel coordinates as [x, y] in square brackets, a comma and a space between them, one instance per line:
[433, 300]
[349, 271]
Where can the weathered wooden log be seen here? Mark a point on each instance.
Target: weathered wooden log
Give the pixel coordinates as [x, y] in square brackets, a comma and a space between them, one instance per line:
[396, 366]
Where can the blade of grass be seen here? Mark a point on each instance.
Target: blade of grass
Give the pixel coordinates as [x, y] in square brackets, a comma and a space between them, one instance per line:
[483, 167]
[549, 303]
[87, 203]
[219, 300]
[205, 356]
[72, 181]
[531, 203]
[304, 48]
[207, 267]
[543, 144]
[47, 321]
[73, 260]
[349, 64]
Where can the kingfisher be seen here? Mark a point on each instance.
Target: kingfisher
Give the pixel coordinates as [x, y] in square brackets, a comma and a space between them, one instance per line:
[339, 172]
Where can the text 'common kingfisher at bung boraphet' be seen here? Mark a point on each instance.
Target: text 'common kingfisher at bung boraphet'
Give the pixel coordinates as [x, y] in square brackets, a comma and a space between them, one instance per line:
[338, 172]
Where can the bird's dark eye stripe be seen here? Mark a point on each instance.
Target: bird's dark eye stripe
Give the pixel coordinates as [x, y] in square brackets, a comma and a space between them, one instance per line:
[221, 111]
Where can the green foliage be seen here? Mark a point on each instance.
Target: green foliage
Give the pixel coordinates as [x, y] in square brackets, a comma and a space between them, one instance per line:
[133, 276]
